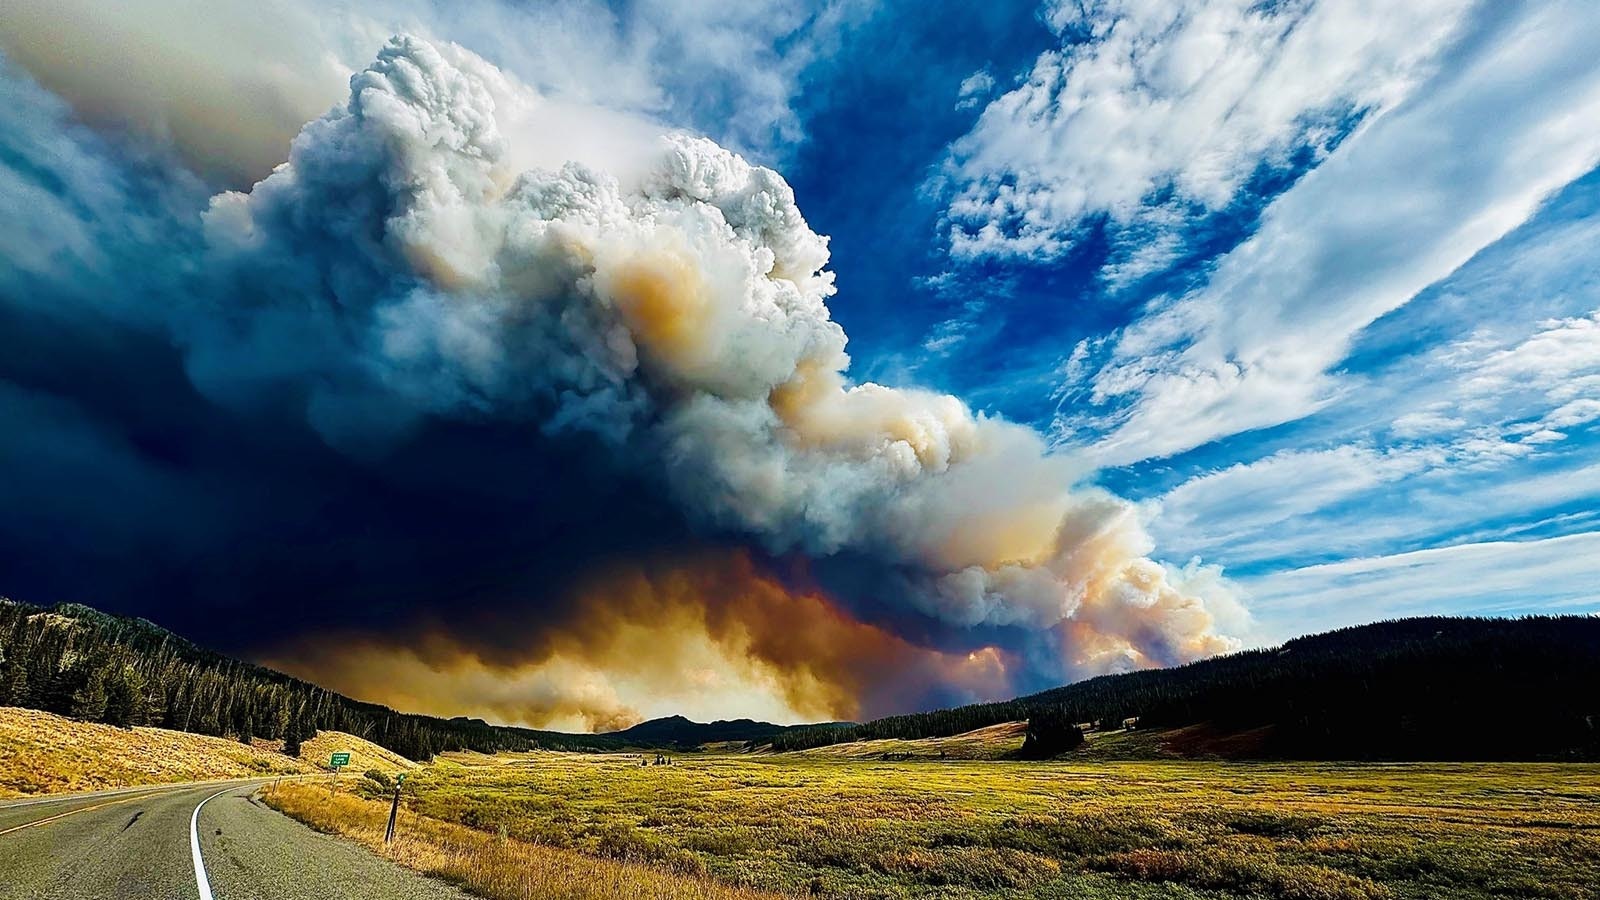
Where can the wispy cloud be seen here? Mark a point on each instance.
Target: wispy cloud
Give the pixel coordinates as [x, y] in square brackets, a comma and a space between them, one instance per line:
[1149, 113]
[1246, 511]
[974, 89]
[1492, 578]
[1394, 209]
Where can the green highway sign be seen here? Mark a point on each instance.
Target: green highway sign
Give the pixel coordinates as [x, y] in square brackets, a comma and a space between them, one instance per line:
[340, 759]
[401, 778]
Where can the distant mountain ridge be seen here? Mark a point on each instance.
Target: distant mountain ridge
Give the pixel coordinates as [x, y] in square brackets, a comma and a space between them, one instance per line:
[679, 731]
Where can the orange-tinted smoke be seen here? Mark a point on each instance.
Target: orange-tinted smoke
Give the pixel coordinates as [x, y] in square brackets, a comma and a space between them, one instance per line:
[710, 637]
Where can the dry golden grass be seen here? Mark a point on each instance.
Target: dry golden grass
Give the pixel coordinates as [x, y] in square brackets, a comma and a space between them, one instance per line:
[994, 742]
[42, 753]
[919, 829]
[489, 865]
[364, 754]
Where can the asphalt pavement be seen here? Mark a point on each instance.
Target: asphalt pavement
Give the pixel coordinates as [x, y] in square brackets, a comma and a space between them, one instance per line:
[211, 841]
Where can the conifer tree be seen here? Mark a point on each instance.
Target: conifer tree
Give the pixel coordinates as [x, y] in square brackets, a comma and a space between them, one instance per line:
[14, 678]
[89, 700]
[291, 737]
[125, 704]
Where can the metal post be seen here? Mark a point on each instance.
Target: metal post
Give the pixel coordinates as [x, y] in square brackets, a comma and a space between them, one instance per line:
[394, 809]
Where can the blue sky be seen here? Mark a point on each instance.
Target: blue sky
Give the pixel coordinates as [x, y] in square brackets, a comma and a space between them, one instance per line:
[1419, 391]
[1311, 285]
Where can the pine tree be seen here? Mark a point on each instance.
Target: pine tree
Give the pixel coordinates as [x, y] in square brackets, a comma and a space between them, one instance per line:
[280, 721]
[291, 737]
[89, 700]
[14, 677]
[124, 704]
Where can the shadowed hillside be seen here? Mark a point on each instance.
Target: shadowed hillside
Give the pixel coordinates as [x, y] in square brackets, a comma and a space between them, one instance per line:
[1427, 688]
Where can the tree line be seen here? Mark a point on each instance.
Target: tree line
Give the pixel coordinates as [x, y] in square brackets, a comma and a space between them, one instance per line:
[1424, 688]
[80, 662]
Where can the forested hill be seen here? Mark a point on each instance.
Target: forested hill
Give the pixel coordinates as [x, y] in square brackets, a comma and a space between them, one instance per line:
[81, 662]
[1426, 688]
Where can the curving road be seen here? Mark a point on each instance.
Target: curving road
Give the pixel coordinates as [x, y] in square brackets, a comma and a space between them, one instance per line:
[212, 841]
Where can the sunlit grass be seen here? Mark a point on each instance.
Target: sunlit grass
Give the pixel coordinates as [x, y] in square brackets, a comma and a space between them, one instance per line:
[817, 824]
[364, 755]
[491, 865]
[42, 753]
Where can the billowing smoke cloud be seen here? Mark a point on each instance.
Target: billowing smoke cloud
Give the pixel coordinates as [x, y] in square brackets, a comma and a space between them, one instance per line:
[182, 71]
[594, 450]
[402, 265]
[228, 83]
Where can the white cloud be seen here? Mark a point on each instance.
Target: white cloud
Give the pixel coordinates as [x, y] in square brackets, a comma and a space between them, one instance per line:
[1245, 510]
[1559, 574]
[1302, 505]
[1577, 412]
[1149, 109]
[1424, 422]
[975, 89]
[946, 335]
[1548, 360]
[1397, 207]
[1516, 394]
[733, 67]
[1482, 425]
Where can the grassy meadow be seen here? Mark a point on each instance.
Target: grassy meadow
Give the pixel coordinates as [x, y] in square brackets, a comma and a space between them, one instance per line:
[491, 864]
[834, 826]
[944, 818]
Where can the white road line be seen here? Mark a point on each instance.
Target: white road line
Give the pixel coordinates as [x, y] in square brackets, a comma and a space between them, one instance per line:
[194, 845]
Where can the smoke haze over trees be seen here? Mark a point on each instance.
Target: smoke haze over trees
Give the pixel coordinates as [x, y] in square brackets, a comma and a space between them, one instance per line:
[78, 661]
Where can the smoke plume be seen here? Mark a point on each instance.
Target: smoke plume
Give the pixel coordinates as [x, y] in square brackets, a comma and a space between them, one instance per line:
[451, 247]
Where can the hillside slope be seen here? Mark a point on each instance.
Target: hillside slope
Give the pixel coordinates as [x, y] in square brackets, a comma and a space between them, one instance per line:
[42, 753]
[1001, 741]
[364, 754]
[1426, 688]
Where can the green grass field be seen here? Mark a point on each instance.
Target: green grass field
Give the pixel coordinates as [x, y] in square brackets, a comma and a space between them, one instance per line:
[829, 825]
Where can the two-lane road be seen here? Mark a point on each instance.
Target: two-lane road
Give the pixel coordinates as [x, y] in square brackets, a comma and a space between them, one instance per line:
[212, 841]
